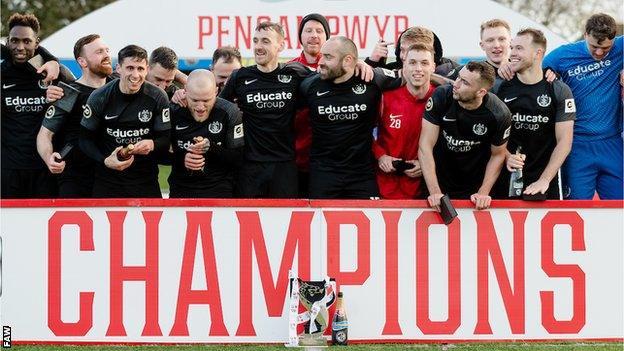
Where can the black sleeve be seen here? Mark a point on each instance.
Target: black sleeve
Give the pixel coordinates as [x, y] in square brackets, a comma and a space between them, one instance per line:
[386, 79]
[300, 70]
[66, 75]
[45, 54]
[229, 90]
[161, 141]
[54, 119]
[88, 146]
[436, 105]
[5, 53]
[566, 107]
[375, 64]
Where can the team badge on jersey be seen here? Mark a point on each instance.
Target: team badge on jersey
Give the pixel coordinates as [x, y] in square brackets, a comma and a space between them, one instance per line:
[570, 106]
[215, 127]
[86, 111]
[544, 100]
[479, 129]
[165, 115]
[238, 131]
[145, 115]
[359, 89]
[50, 112]
[283, 78]
[429, 105]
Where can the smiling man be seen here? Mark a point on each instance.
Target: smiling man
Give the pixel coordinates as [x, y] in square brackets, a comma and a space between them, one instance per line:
[400, 124]
[61, 128]
[267, 94]
[592, 68]
[542, 120]
[23, 175]
[126, 111]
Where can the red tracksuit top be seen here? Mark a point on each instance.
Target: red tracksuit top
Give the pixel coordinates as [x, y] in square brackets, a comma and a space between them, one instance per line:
[398, 134]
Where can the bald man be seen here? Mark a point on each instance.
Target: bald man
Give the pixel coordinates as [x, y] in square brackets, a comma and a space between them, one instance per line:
[207, 140]
[343, 112]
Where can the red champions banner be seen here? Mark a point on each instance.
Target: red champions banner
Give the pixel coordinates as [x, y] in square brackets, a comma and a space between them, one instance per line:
[204, 271]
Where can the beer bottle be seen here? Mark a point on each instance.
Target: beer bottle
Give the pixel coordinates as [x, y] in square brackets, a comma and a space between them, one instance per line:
[125, 153]
[340, 324]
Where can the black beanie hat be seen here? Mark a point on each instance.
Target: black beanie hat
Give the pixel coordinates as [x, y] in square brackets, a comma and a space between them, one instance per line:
[315, 17]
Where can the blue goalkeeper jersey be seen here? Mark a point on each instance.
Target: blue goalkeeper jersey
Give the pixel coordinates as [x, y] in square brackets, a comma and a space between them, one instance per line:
[595, 85]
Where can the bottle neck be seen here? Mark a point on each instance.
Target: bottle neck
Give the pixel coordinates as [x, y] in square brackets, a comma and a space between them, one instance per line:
[339, 303]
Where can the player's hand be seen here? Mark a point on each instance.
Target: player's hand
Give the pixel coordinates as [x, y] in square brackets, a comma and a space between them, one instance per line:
[194, 162]
[385, 163]
[413, 172]
[481, 201]
[179, 97]
[505, 70]
[143, 147]
[200, 148]
[550, 76]
[622, 78]
[539, 186]
[51, 69]
[54, 93]
[113, 162]
[515, 161]
[379, 51]
[54, 166]
[364, 71]
[434, 201]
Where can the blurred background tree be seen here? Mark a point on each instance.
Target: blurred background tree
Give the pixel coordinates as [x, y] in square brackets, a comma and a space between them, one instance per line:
[52, 14]
[565, 17]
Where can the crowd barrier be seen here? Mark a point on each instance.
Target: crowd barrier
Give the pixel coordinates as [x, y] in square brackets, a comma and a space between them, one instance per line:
[216, 271]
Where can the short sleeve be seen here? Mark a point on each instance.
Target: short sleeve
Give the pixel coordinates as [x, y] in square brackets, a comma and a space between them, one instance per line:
[566, 106]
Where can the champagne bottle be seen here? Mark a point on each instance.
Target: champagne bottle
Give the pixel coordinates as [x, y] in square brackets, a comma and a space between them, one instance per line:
[340, 324]
[125, 153]
[516, 181]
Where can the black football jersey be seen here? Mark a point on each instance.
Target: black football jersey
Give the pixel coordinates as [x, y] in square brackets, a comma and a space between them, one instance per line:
[268, 102]
[535, 109]
[23, 107]
[466, 136]
[342, 117]
[120, 119]
[224, 131]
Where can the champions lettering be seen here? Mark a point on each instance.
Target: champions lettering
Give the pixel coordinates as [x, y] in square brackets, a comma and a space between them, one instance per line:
[336, 113]
[27, 104]
[269, 100]
[593, 69]
[269, 295]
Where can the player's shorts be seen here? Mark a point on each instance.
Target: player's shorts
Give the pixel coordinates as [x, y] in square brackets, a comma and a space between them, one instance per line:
[104, 189]
[28, 184]
[223, 190]
[75, 186]
[594, 166]
[268, 180]
[343, 185]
